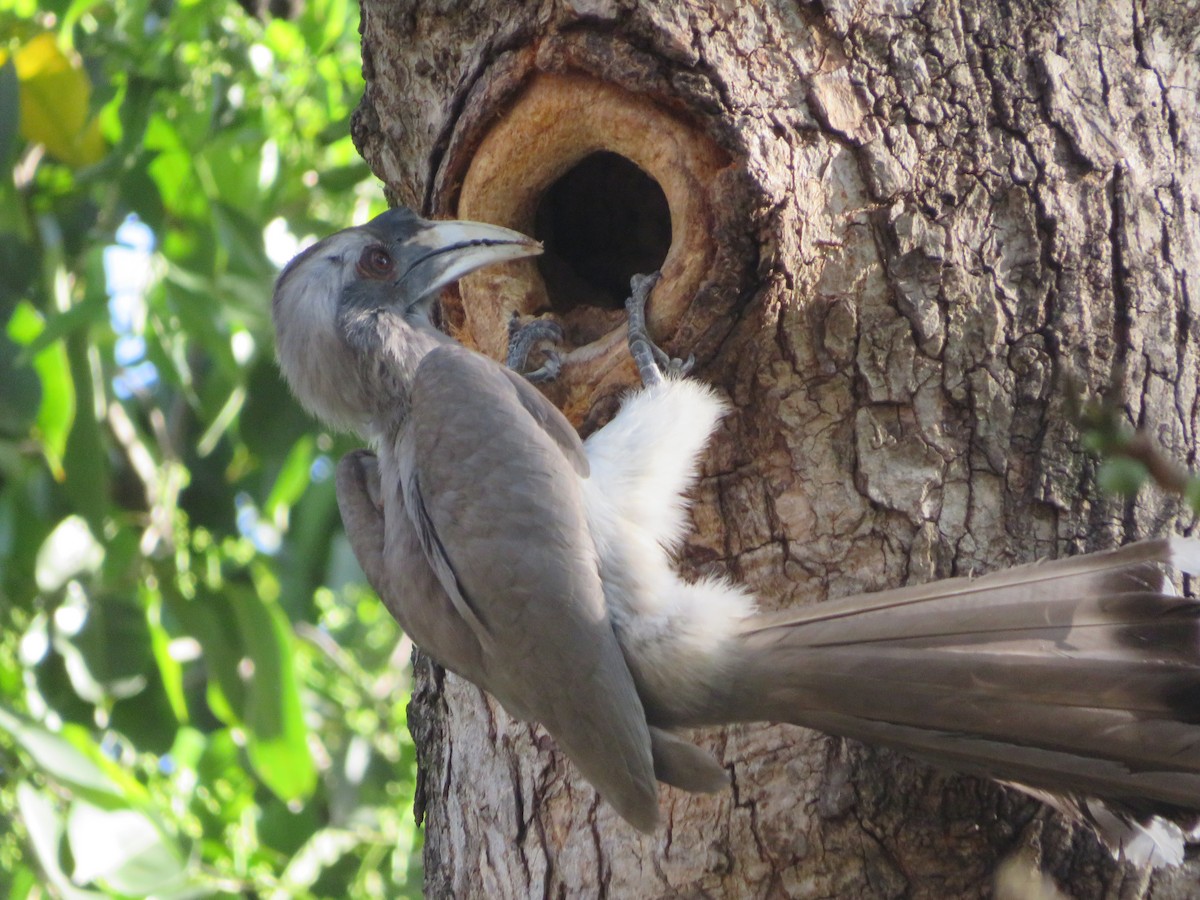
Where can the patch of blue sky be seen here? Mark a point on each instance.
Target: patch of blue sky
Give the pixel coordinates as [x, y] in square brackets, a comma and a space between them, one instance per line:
[129, 274]
[265, 536]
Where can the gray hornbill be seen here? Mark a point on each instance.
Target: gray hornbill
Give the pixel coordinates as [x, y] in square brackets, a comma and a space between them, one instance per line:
[540, 567]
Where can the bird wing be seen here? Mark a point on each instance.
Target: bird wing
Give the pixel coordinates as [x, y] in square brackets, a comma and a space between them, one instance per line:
[360, 503]
[496, 503]
[550, 420]
[388, 548]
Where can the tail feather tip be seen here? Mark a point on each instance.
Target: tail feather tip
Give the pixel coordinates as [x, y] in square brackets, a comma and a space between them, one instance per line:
[1185, 554]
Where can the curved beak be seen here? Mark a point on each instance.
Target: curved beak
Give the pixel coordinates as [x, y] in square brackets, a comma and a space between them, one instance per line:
[443, 252]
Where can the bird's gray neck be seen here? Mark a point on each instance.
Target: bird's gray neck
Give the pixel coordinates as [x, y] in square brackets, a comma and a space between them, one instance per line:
[390, 349]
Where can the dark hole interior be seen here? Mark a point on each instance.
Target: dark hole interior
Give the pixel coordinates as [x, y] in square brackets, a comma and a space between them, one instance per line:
[602, 223]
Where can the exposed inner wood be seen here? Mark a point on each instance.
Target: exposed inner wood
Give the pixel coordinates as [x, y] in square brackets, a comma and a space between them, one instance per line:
[614, 185]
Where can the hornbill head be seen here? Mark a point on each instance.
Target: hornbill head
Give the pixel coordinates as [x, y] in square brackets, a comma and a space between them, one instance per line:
[358, 302]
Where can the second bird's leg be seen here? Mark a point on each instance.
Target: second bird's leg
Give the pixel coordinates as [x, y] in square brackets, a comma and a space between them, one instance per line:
[521, 341]
[651, 361]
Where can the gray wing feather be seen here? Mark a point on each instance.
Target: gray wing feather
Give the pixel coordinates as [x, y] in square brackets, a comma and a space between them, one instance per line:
[550, 420]
[388, 548]
[439, 559]
[359, 502]
[502, 522]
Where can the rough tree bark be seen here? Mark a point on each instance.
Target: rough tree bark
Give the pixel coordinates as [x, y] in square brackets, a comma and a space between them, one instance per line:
[914, 224]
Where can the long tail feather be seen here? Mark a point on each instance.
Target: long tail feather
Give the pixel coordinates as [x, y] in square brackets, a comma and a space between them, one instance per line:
[1077, 678]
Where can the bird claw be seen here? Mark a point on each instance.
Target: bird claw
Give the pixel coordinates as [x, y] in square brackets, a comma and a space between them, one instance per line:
[651, 360]
[681, 367]
[548, 371]
[522, 339]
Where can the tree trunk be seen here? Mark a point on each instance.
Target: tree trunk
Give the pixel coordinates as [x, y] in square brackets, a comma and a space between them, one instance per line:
[898, 236]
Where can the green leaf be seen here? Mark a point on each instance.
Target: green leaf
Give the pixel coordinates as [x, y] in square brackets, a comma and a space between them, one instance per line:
[142, 193]
[68, 552]
[322, 22]
[20, 391]
[10, 100]
[19, 261]
[85, 456]
[189, 747]
[274, 718]
[1121, 475]
[321, 851]
[221, 422]
[343, 178]
[1191, 493]
[48, 684]
[208, 619]
[279, 421]
[45, 828]
[62, 760]
[146, 719]
[211, 138]
[23, 883]
[314, 523]
[124, 850]
[169, 669]
[56, 409]
[139, 102]
[78, 317]
[105, 643]
[1095, 441]
[75, 11]
[293, 478]
[55, 95]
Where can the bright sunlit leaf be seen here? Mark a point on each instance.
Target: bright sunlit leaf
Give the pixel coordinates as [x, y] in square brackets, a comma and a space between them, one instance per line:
[55, 95]
[70, 551]
[278, 738]
[321, 851]
[45, 828]
[125, 849]
[169, 668]
[293, 478]
[59, 758]
[56, 403]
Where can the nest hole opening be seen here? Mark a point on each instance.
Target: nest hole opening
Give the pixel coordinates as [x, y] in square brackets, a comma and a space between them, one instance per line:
[601, 223]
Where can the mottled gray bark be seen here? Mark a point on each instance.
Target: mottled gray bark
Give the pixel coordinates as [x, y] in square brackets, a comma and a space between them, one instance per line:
[922, 221]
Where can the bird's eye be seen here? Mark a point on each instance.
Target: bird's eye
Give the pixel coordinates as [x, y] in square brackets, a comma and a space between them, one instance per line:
[375, 262]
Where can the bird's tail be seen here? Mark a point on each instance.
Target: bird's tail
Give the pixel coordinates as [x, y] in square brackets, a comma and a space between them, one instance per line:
[1076, 680]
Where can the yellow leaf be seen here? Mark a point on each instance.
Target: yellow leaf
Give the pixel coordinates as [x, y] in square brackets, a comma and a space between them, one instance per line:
[55, 92]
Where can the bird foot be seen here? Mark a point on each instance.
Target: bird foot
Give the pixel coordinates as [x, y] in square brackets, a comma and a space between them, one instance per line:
[522, 339]
[651, 360]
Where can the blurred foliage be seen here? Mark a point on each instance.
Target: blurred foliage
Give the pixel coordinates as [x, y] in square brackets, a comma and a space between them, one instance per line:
[1129, 457]
[197, 695]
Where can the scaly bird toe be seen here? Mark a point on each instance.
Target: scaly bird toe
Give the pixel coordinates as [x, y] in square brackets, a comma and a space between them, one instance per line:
[651, 360]
[522, 339]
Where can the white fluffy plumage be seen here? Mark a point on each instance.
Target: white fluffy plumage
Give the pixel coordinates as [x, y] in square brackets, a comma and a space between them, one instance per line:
[643, 463]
